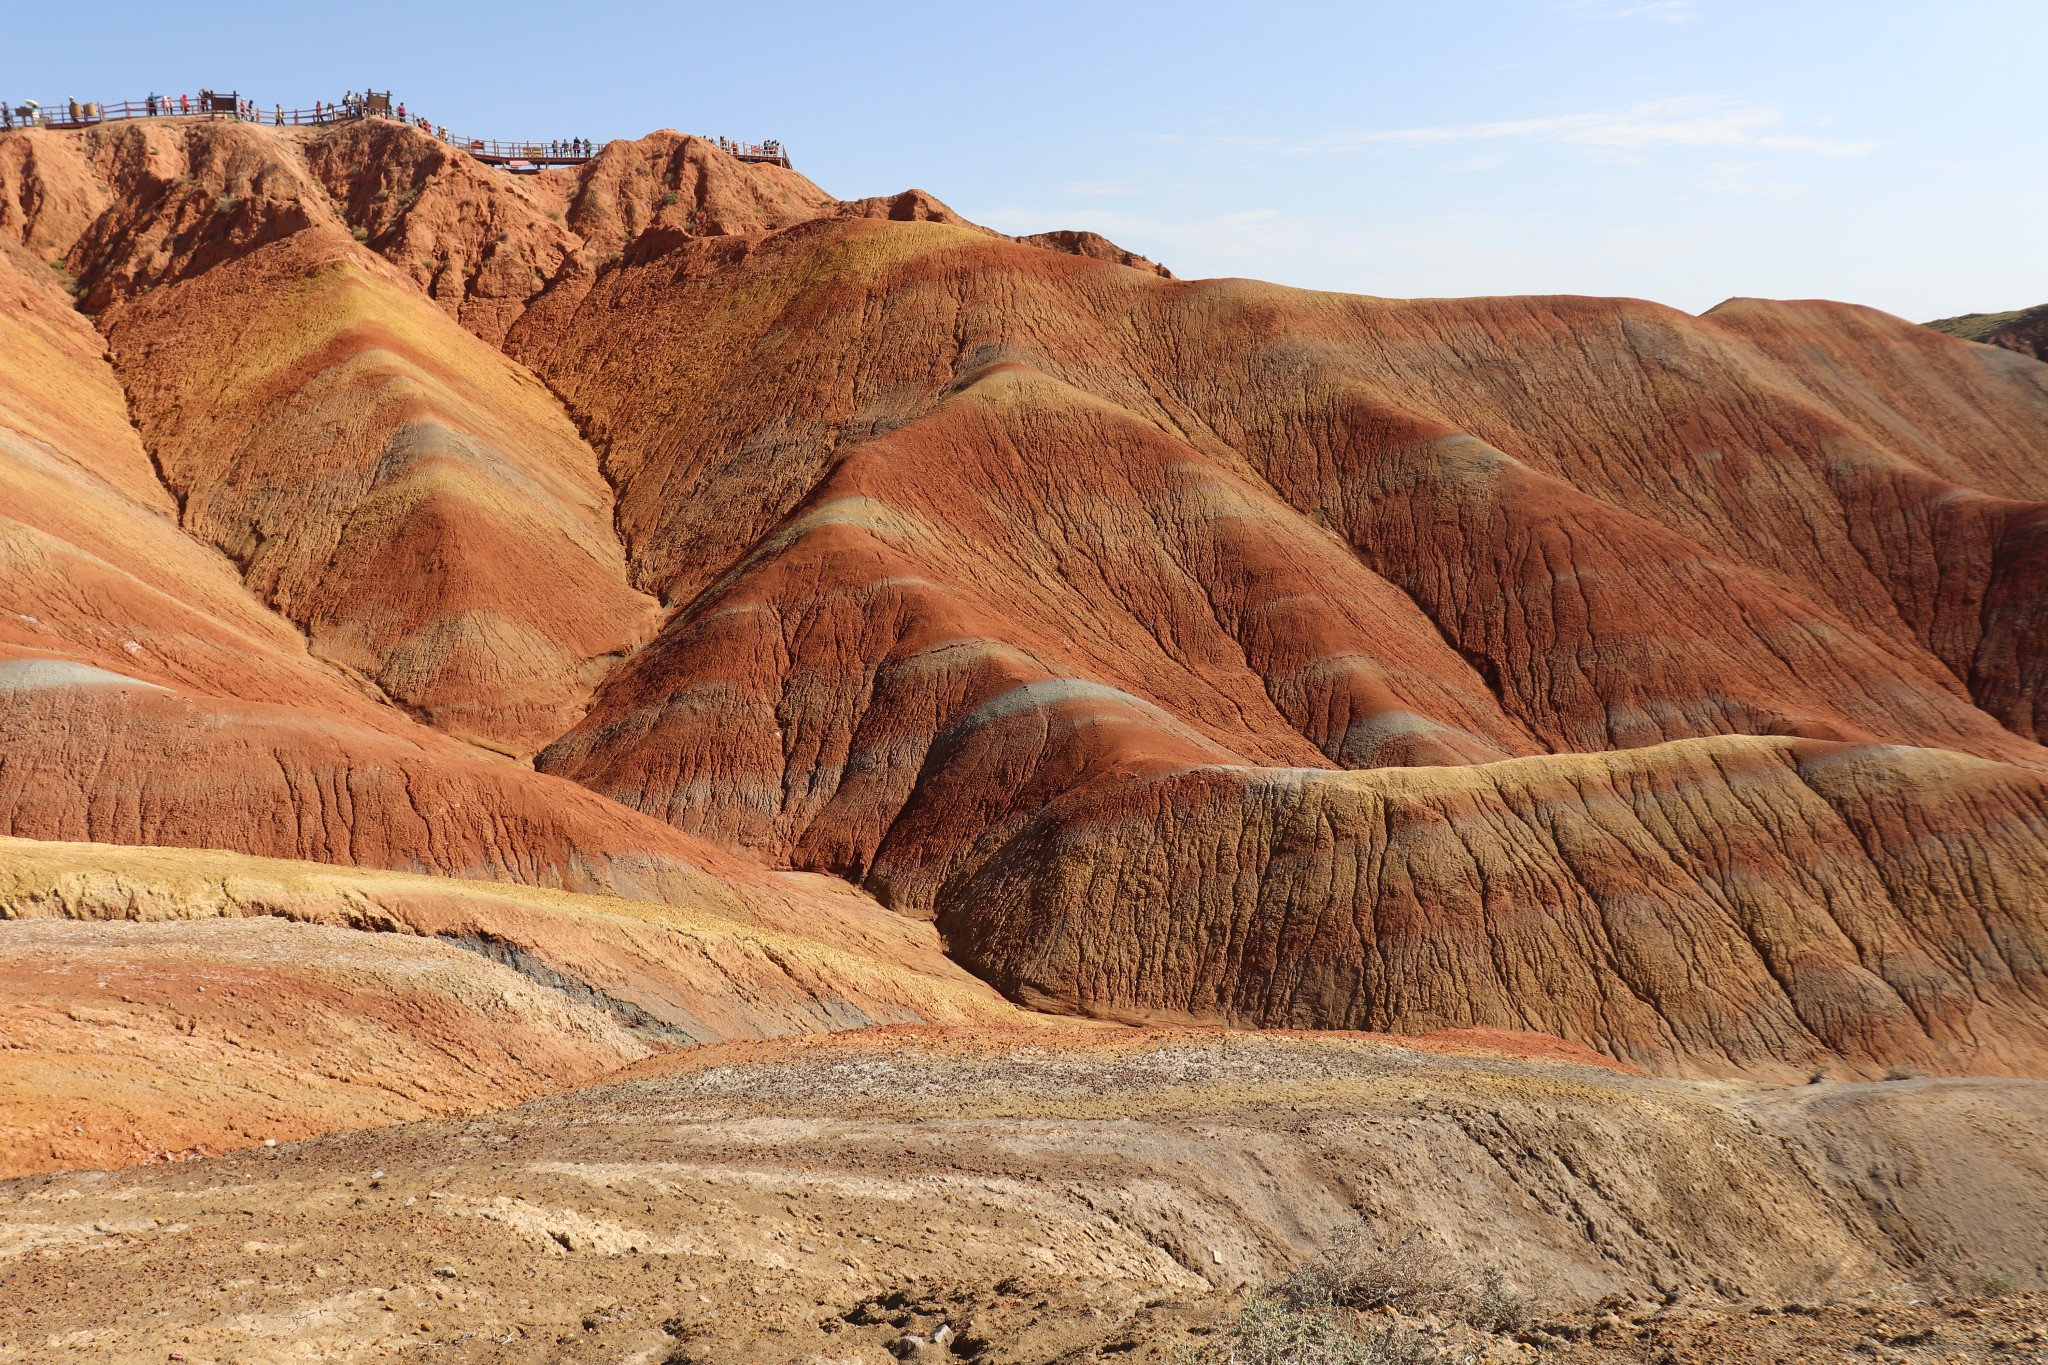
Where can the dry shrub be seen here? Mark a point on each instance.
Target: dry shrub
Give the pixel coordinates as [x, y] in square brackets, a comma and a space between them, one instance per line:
[1270, 1332]
[1315, 1314]
[1358, 1272]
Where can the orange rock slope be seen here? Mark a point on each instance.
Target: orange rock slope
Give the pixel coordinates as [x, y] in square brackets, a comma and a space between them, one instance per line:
[1184, 650]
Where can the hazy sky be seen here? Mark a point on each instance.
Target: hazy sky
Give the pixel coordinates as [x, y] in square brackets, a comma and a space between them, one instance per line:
[1887, 152]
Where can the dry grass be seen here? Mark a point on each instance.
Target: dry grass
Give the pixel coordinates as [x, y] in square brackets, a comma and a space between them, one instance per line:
[1317, 1313]
[1358, 1272]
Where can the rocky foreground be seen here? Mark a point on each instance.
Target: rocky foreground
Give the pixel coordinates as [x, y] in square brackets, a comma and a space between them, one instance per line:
[1063, 1197]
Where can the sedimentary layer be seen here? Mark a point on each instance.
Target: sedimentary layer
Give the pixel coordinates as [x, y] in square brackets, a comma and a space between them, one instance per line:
[164, 1001]
[1204, 650]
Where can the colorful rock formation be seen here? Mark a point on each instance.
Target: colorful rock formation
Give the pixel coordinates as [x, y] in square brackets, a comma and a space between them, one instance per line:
[665, 528]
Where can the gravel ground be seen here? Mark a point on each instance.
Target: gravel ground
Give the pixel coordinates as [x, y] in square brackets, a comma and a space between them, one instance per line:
[1111, 1194]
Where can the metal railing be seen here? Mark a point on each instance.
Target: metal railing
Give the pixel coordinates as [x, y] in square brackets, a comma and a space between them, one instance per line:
[498, 150]
[75, 114]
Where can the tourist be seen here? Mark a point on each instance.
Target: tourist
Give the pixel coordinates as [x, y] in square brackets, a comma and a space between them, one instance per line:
[184, 105]
[150, 104]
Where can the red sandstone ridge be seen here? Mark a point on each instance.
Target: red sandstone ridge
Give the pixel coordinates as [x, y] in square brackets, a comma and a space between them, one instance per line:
[666, 528]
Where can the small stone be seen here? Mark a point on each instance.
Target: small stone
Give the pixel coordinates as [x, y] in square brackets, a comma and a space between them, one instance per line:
[270, 1142]
[446, 1272]
[907, 1345]
[942, 1335]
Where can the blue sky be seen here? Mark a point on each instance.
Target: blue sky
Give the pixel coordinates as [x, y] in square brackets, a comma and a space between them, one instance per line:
[1886, 152]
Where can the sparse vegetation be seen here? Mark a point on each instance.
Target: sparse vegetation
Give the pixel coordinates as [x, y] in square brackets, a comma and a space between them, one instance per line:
[1978, 326]
[669, 200]
[1318, 1314]
[405, 200]
[1357, 1272]
[226, 203]
[360, 233]
[1269, 1332]
[1995, 1283]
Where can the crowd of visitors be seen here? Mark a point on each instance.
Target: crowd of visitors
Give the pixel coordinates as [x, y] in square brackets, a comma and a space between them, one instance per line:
[352, 105]
[769, 148]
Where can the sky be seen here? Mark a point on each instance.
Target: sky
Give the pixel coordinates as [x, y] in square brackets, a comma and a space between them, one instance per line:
[1884, 152]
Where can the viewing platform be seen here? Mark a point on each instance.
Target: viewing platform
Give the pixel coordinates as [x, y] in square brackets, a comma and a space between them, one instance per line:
[520, 156]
